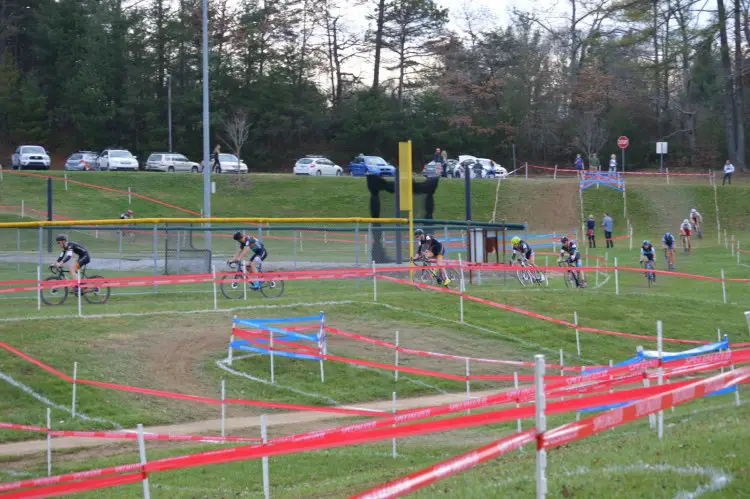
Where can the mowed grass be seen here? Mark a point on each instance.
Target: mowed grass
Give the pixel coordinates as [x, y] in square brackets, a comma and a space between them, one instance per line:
[177, 350]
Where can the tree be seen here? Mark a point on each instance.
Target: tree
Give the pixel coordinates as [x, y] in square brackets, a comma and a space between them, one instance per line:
[236, 132]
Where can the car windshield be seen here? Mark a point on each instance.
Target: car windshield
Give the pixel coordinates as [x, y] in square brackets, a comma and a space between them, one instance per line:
[74, 156]
[228, 157]
[305, 161]
[374, 161]
[120, 154]
[32, 150]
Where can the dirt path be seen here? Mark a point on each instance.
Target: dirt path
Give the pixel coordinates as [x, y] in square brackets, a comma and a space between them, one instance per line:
[211, 426]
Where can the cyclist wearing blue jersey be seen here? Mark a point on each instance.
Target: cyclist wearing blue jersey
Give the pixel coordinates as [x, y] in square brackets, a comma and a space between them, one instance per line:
[249, 244]
[569, 247]
[668, 242]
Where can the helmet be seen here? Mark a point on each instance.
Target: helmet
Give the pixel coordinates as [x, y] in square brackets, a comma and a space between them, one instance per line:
[419, 232]
[237, 236]
[646, 243]
[515, 240]
[686, 221]
[693, 210]
[61, 237]
[564, 239]
[668, 234]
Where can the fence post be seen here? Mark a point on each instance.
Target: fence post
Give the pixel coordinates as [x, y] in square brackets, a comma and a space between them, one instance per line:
[723, 287]
[562, 363]
[130, 199]
[356, 244]
[660, 350]
[461, 287]
[156, 253]
[468, 382]
[747, 318]
[395, 371]
[142, 451]
[294, 248]
[630, 237]
[223, 405]
[597, 273]
[578, 337]
[78, 279]
[617, 280]
[726, 240]
[49, 442]
[738, 252]
[393, 411]
[229, 350]
[732, 245]
[119, 250]
[75, 378]
[515, 386]
[527, 170]
[554, 175]
[39, 287]
[270, 351]
[23, 209]
[264, 440]
[667, 175]
[731, 366]
[541, 427]
[213, 274]
[374, 283]
[445, 239]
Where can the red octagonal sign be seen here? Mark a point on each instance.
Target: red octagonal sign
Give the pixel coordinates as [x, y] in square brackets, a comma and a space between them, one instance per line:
[623, 142]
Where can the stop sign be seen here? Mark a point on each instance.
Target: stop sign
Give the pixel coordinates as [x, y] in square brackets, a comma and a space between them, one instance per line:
[623, 142]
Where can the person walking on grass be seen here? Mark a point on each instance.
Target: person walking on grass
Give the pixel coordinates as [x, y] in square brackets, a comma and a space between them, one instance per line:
[590, 226]
[594, 164]
[728, 171]
[608, 223]
[613, 164]
[216, 162]
[579, 165]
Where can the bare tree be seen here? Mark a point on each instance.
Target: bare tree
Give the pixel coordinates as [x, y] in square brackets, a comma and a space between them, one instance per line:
[236, 132]
[591, 134]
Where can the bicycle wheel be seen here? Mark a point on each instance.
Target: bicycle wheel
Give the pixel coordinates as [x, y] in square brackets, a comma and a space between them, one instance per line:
[424, 276]
[540, 277]
[97, 293]
[232, 286]
[54, 296]
[272, 289]
[453, 276]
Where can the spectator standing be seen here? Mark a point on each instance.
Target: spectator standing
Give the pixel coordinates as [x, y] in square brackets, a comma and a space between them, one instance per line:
[217, 164]
[438, 159]
[444, 155]
[607, 223]
[590, 226]
[613, 163]
[728, 171]
[594, 163]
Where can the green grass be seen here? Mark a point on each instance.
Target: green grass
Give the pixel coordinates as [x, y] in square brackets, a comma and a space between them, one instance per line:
[178, 351]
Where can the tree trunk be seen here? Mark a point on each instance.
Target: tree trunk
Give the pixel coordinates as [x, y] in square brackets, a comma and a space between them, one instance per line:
[657, 69]
[739, 103]
[726, 65]
[688, 113]
[378, 42]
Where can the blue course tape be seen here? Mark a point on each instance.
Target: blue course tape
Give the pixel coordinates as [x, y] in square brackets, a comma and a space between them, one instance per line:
[278, 354]
[604, 407]
[729, 389]
[703, 349]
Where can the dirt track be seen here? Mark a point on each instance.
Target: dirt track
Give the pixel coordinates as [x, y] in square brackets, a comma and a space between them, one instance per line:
[211, 426]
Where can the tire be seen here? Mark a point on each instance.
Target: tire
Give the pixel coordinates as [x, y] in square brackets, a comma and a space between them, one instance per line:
[452, 275]
[170, 169]
[522, 276]
[539, 277]
[54, 296]
[272, 289]
[194, 169]
[424, 276]
[96, 294]
[319, 173]
[231, 287]
[338, 173]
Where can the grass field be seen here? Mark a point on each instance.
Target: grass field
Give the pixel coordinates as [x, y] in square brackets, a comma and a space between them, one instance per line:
[152, 341]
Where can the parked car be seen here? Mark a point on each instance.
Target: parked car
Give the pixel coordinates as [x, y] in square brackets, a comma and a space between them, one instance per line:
[432, 169]
[229, 163]
[317, 165]
[170, 162]
[30, 158]
[117, 159]
[479, 168]
[82, 161]
[371, 165]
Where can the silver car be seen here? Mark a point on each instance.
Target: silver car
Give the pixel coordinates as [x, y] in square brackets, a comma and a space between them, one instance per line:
[117, 159]
[82, 161]
[170, 162]
[228, 163]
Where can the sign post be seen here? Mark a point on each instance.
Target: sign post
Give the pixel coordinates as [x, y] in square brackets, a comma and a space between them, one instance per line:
[623, 142]
[405, 191]
[661, 150]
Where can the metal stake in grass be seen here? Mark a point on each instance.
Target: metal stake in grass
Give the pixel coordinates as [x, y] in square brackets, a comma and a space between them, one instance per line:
[223, 405]
[78, 278]
[39, 287]
[49, 442]
[323, 349]
[515, 386]
[617, 280]
[270, 351]
[723, 287]
[461, 288]
[142, 451]
[578, 337]
[660, 350]
[747, 318]
[395, 364]
[75, 378]
[264, 440]
[374, 284]
[213, 274]
[468, 383]
[541, 427]
[393, 411]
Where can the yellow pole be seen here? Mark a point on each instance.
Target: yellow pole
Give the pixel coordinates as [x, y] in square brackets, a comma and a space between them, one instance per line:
[405, 191]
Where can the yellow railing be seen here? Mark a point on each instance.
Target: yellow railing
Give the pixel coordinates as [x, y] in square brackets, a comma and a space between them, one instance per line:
[252, 220]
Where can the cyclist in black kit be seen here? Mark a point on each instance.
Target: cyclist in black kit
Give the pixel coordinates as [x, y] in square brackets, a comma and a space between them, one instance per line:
[248, 244]
[68, 249]
[429, 247]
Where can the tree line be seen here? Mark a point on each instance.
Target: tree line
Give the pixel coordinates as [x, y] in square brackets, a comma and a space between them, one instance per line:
[302, 76]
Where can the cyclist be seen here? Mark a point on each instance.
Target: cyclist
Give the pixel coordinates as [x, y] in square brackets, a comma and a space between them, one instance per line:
[248, 244]
[686, 231]
[696, 218]
[523, 248]
[429, 247]
[574, 257]
[647, 254]
[126, 215]
[668, 242]
[68, 249]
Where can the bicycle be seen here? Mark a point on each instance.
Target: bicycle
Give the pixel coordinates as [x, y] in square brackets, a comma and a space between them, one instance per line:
[650, 276]
[685, 243]
[697, 230]
[570, 275]
[231, 286]
[428, 273]
[529, 273]
[95, 294]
